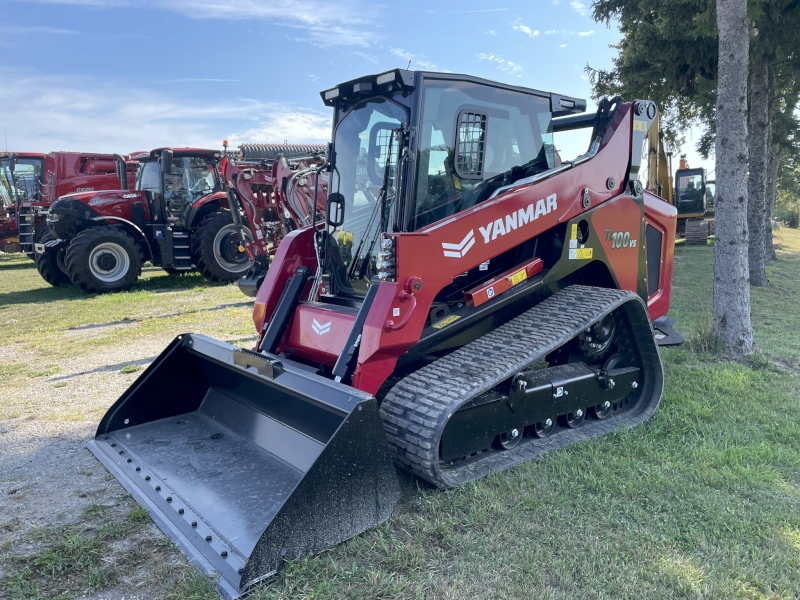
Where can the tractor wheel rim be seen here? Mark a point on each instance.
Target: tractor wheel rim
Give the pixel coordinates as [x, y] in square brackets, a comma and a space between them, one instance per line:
[109, 262]
[226, 250]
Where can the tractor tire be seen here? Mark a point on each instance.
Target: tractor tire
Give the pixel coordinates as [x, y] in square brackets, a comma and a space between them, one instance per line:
[215, 248]
[104, 259]
[51, 265]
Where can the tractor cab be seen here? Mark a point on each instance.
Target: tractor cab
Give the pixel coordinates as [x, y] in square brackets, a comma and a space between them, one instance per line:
[411, 149]
[21, 178]
[175, 180]
[690, 193]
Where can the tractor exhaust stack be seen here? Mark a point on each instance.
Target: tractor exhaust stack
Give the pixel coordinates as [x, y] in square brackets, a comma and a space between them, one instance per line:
[245, 460]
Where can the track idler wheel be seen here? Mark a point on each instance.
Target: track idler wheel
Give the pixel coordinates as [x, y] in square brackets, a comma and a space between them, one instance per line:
[511, 439]
[601, 411]
[574, 419]
[544, 428]
[598, 337]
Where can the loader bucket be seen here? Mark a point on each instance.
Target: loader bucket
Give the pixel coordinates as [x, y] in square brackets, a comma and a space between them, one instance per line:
[247, 461]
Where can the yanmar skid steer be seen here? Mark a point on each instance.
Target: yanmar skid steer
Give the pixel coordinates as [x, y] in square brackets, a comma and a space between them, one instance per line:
[469, 303]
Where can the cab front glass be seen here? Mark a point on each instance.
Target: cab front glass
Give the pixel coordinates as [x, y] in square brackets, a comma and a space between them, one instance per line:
[24, 184]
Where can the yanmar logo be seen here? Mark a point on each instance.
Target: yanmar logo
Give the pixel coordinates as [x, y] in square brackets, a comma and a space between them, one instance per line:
[319, 328]
[501, 227]
[459, 250]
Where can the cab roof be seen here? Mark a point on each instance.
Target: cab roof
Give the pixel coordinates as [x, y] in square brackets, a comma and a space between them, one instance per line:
[404, 80]
[186, 151]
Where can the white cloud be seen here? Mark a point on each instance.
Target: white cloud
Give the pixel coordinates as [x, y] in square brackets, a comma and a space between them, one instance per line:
[491, 32]
[65, 112]
[287, 126]
[16, 29]
[520, 26]
[501, 63]
[417, 60]
[578, 7]
[569, 32]
[563, 46]
[198, 80]
[368, 57]
[323, 23]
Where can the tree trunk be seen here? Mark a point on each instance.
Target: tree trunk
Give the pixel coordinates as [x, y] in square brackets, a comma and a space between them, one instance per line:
[760, 143]
[772, 193]
[731, 275]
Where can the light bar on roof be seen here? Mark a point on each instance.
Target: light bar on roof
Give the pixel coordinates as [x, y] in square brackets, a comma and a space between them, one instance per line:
[331, 94]
[386, 78]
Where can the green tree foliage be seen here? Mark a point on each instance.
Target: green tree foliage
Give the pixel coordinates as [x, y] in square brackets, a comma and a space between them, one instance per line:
[669, 54]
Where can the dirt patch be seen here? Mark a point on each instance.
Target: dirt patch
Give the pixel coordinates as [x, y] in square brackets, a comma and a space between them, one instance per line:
[53, 492]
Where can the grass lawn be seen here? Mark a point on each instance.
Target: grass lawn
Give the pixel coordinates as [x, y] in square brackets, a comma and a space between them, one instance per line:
[702, 501]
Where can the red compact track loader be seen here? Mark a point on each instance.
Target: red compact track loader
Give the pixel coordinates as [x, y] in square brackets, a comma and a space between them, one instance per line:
[467, 304]
[31, 181]
[273, 188]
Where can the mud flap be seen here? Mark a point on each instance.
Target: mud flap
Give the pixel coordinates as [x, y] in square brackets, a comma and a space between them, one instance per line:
[247, 461]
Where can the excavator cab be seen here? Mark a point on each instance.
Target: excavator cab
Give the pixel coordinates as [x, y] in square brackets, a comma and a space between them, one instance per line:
[466, 305]
[690, 193]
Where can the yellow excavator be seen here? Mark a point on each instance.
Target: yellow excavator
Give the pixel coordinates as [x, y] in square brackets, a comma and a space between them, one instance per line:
[689, 191]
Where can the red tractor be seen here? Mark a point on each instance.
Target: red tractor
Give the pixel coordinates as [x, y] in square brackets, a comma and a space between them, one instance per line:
[31, 181]
[274, 188]
[468, 304]
[176, 216]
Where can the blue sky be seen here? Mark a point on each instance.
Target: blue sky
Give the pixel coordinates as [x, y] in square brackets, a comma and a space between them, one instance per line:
[125, 75]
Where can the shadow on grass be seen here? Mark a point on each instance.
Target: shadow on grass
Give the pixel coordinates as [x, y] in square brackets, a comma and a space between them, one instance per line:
[13, 266]
[142, 362]
[157, 285]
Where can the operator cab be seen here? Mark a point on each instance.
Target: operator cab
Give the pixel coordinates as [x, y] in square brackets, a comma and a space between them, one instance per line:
[690, 192]
[21, 179]
[171, 191]
[413, 148]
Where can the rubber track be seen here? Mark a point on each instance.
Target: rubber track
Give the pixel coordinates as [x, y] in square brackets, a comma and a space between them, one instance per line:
[417, 408]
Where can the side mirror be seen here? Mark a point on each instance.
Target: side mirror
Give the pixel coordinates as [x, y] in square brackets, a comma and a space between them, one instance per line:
[334, 213]
[166, 161]
[12, 163]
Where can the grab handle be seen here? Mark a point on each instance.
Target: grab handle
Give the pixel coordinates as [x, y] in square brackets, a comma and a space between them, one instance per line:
[413, 284]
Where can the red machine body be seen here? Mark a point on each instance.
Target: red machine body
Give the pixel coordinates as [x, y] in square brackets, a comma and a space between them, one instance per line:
[274, 188]
[175, 215]
[469, 303]
[43, 178]
[399, 314]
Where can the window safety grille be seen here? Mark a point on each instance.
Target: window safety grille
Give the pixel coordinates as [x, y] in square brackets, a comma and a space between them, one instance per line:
[383, 139]
[471, 144]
